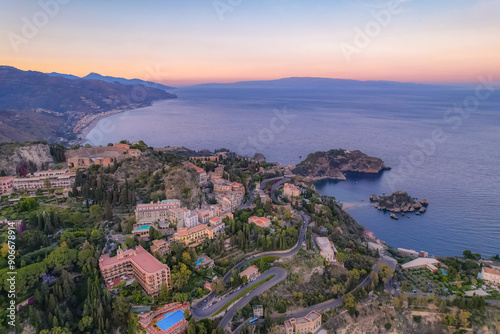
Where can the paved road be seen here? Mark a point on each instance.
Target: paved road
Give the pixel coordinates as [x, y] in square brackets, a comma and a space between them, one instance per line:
[198, 312]
[249, 202]
[276, 186]
[280, 276]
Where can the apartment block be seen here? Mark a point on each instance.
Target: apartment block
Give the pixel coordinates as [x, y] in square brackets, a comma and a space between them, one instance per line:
[190, 218]
[135, 263]
[290, 191]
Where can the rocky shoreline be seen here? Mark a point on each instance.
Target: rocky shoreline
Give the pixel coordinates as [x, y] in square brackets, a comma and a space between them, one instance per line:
[335, 163]
[399, 202]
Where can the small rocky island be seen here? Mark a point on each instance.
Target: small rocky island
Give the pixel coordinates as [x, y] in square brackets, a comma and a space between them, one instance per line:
[334, 163]
[399, 202]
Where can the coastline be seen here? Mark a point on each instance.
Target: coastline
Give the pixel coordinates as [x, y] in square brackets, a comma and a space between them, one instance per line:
[85, 129]
[347, 206]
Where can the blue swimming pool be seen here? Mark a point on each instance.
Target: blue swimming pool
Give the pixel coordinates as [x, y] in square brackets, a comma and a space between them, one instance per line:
[443, 271]
[170, 319]
[144, 227]
[200, 261]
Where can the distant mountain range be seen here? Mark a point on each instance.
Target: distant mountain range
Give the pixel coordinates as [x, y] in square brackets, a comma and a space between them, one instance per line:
[35, 105]
[317, 83]
[97, 76]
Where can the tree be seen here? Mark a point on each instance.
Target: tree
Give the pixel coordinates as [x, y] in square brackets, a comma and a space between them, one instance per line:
[350, 303]
[47, 184]
[96, 236]
[180, 276]
[121, 310]
[464, 318]
[96, 211]
[61, 258]
[108, 212]
[341, 257]
[27, 204]
[218, 285]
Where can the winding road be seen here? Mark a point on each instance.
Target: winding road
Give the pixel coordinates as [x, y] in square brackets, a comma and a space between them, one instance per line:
[198, 309]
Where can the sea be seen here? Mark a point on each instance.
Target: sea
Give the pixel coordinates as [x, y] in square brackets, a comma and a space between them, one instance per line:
[443, 144]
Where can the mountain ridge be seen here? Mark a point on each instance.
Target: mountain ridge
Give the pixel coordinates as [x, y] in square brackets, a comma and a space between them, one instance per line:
[39, 106]
[105, 78]
[317, 82]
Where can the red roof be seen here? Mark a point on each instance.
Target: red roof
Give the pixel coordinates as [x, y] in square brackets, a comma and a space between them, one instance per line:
[143, 259]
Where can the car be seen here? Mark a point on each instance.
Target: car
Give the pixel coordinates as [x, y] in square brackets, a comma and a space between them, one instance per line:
[238, 288]
[205, 301]
[247, 293]
[414, 291]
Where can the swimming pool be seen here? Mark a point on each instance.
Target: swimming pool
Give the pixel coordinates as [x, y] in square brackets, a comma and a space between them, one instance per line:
[170, 319]
[200, 261]
[443, 271]
[143, 227]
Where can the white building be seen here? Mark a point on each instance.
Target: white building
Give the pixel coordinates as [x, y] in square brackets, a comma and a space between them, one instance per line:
[327, 249]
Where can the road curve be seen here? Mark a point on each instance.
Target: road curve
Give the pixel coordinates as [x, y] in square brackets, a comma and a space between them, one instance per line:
[280, 275]
[198, 307]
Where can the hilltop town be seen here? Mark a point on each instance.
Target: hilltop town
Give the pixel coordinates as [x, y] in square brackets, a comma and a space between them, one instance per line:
[127, 238]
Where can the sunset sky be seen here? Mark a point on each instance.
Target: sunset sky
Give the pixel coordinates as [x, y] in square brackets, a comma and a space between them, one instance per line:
[182, 42]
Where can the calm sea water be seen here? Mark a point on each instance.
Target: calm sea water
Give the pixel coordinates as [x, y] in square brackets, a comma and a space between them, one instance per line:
[457, 168]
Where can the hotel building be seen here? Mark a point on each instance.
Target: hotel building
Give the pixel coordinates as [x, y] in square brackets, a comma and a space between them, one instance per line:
[135, 263]
[194, 234]
[56, 178]
[156, 211]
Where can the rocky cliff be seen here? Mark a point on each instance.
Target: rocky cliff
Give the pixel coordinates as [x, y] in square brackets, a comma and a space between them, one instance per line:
[15, 155]
[184, 185]
[334, 163]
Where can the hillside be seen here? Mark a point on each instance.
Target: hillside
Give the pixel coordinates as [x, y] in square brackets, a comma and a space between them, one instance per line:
[333, 164]
[35, 105]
